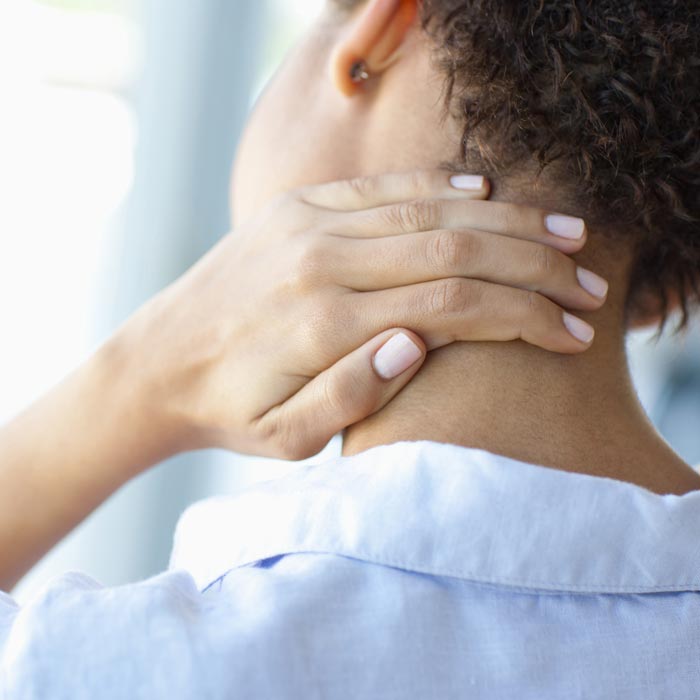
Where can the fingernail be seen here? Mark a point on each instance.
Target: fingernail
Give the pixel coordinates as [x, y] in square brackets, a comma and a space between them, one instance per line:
[565, 226]
[396, 356]
[467, 182]
[579, 329]
[592, 283]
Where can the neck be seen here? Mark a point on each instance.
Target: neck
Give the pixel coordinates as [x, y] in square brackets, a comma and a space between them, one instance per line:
[575, 413]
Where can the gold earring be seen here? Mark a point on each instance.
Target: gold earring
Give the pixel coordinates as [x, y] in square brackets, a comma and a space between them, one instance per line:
[359, 72]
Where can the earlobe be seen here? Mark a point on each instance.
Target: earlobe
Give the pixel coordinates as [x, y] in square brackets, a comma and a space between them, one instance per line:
[348, 71]
[371, 44]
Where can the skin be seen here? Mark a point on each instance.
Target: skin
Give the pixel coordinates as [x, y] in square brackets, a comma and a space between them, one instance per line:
[577, 413]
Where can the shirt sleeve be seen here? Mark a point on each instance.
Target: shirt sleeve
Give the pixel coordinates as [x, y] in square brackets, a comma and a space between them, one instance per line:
[8, 612]
[78, 639]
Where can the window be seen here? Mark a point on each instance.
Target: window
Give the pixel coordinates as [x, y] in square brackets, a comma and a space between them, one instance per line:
[67, 136]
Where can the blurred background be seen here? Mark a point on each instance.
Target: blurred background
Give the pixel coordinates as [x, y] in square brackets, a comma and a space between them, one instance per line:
[119, 123]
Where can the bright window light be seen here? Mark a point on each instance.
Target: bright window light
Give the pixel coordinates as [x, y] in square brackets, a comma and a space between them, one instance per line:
[67, 137]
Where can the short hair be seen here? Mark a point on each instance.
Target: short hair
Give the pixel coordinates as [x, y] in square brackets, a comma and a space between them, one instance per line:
[602, 94]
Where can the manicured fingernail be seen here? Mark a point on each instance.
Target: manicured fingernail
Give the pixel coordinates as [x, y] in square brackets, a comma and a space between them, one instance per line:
[592, 283]
[467, 182]
[565, 226]
[579, 329]
[396, 356]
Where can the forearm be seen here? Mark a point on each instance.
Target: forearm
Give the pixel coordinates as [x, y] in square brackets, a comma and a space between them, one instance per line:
[67, 453]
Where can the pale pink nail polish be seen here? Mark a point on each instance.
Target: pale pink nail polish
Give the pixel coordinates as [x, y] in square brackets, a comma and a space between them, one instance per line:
[565, 226]
[592, 283]
[473, 183]
[578, 328]
[396, 356]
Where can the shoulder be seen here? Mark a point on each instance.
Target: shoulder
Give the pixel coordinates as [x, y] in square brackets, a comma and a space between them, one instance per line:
[74, 630]
[165, 638]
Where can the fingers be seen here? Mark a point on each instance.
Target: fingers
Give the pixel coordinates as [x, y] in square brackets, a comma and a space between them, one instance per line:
[358, 385]
[395, 261]
[457, 309]
[379, 190]
[527, 223]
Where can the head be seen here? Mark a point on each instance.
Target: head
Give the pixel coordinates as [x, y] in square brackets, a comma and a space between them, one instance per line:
[592, 107]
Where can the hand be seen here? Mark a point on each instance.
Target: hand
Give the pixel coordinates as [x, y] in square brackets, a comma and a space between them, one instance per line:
[266, 346]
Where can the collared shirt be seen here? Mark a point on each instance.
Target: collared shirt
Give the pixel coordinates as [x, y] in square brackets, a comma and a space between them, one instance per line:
[412, 570]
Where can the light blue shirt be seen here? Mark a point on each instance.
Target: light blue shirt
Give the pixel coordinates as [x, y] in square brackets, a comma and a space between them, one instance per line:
[413, 570]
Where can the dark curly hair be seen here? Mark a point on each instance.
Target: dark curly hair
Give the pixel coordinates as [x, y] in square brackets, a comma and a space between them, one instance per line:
[605, 95]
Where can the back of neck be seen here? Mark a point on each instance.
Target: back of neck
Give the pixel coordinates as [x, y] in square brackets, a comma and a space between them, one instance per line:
[575, 413]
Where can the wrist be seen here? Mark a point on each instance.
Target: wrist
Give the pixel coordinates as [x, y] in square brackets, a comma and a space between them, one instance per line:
[135, 382]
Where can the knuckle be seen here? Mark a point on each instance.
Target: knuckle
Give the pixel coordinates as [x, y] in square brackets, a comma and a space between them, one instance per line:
[534, 304]
[332, 396]
[360, 187]
[451, 297]
[445, 250]
[471, 245]
[326, 317]
[291, 448]
[282, 438]
[310, 265]
[419, 181]
[512, 218]
[343, 396]
[416, 214]
[300, 438]
[544, 261]
[291, 434]
[528, 314]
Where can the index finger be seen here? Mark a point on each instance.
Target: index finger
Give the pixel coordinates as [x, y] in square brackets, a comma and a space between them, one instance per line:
[380, 190]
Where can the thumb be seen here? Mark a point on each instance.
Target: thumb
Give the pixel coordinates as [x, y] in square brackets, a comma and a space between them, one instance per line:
[354, 388]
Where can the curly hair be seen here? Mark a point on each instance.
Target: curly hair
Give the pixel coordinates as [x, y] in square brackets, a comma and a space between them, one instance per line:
[603, 93]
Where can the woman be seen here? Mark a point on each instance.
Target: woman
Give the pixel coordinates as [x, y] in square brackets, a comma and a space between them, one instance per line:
[416, 565]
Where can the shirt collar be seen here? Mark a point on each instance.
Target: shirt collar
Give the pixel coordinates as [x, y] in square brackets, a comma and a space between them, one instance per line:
[454, 511]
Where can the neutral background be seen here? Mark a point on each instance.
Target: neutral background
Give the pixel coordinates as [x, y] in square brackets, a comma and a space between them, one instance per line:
[119, 123]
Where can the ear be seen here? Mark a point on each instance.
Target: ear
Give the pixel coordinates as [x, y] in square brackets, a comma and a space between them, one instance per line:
[375, 37]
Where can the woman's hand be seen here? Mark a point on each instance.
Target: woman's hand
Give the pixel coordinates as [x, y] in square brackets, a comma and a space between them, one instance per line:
[267, 345]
